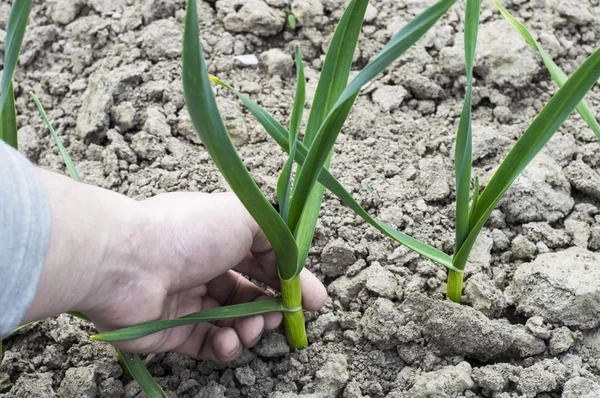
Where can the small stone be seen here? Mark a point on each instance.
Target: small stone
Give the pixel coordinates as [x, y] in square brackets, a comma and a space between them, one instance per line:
[389, 97]
[562, 287]
[156, 123]
[162, 40]
[481, 293]
[79, 383]
[251, 16]
[332, 376]
[384, 325]
[433, 182]
[594, 243]
[321, 325]
[124, 116]
[495, 378]
[542, 231]
[347, 288]
[29, 142]
[446, 382]
[278, 63]
[381, 281]
[272, 345]
[185, 127]
[580, 387]
[422, 87]
[487, 141]
[575, 11]
[65, 11]
[501, 241]
[93, 117]
[245, 376]
[501, 57]
[336, 257]
[120, 147]
[562, 340]
[544, 376]
[247, 59]
[370, 13]
[523, 249]
[308, 12]
[147, 146]
[540, 193]
[535, 325]
[579, 231]
[583, 178]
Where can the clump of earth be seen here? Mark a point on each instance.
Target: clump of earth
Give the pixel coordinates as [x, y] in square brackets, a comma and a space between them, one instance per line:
[108, 74]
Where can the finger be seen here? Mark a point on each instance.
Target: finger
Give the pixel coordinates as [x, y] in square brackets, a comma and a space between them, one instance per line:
[249, 329]
[314, 293]
[233, 288]
[272, 319]
[212, 343]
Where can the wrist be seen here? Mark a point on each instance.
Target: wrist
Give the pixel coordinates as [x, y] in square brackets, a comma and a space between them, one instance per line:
[89, 225]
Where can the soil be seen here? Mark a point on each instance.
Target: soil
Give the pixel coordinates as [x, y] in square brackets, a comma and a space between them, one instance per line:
[108, 75]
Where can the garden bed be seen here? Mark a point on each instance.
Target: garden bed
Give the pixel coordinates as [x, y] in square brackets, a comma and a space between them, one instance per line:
[108, 73]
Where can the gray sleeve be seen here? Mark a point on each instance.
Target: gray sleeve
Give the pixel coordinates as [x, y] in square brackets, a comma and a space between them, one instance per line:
[25, 224]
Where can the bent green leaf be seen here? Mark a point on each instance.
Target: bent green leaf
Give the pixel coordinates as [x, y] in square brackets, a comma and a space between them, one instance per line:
[284, 181]
[135, 366]
[209, 315]
[557, 74]
[206, 118]
[332, 81]
[15, 32]
[280, 135]
[325, 139]
[463, 147]
[63, 152]
[539, 132]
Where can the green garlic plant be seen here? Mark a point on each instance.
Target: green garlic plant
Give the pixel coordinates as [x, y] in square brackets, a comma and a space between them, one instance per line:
[290, 230]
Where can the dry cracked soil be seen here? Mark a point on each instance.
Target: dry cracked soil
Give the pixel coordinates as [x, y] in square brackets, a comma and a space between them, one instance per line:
[108, 74]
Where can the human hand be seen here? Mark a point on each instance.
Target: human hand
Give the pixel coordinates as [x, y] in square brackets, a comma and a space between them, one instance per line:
[123, 262]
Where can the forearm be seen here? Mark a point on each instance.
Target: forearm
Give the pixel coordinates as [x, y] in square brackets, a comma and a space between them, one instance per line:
[88, 225]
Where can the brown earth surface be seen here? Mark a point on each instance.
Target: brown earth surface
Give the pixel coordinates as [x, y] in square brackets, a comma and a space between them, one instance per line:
[108, 74]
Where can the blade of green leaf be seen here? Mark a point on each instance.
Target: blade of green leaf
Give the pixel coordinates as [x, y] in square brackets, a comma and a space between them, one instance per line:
[332, 81]
[280, 135]
[336, 67]
[205, 116]
[322, 146]
[15, 31]
[463, 147]
[285, 179]
[556, 73]
[539, 132]
[475, 197]
[63, 152]
[135, 366]
[209, 315]
[8, 119]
